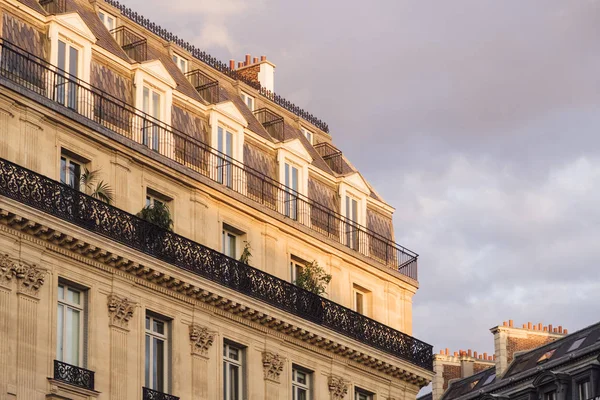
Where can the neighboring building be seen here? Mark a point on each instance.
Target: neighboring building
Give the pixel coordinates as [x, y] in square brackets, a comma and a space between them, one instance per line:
[564, 369]
[508, 342]
[96, 303]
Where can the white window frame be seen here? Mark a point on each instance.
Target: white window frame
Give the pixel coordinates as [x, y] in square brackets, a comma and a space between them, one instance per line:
[152, 129]
[149, 333]
[225, 247]
[295, 265]
[249, 99]
[225, 169]
[291, 195]
[70, 28]
[298, 386]
[227, 362]
[68, 160]
[584, 389]
[78, 307]
[181, 62]
[366, 300]
[361, 394]
[105, 17]
[307, 134]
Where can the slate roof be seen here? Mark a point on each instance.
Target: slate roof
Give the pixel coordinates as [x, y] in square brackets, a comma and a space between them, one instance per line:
[557, 352]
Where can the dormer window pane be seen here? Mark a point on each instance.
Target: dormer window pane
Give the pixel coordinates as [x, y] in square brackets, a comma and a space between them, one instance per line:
[248, 100]
[108, 20]
[180, 62]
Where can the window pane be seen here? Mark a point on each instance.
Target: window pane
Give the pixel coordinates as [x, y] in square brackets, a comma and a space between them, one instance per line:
[63, 179]
[159, 355]
[74, 296]
[60, 334]
[228, 144]
[302, 394]
[73, 61]
[159, 327]
[146, 100]
[62, 54]
[232, 249]
[155, 105]
[235, 382]
[295, 178]
[76, 175]
[148, 323]
[233, 353]
[147, 357]
[225, 377]
[72, 339]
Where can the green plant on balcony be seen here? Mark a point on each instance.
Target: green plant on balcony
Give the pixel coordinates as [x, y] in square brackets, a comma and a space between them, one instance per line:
[95, 187]
[246, 254]
[157, 213]
[313, 278]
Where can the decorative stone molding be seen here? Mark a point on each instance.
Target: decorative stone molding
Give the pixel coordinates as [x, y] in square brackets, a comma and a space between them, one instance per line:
[338, 387]
[120, 310]
[29, 277]
[201, 338]
[272, 365]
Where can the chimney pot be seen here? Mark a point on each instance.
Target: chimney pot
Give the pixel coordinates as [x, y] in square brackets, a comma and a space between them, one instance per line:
[524, 326]
[565, 331]
[550, 328]
[560, 329]
[232, 64]
[469, 353]
[529, 325]
[255, 60]
[475, 354]
[442, 352]
[505, 323]
[511, 323]
[447, 351]
[263, 58]
[545, 329]
[539, 326]
[240, 64]
[555, 330]
[535, 327]
[485, 356]
[247, 61]
[456, 354]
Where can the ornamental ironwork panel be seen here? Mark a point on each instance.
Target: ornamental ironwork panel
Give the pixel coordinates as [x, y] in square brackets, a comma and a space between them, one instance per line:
[62, 201]
[73, 375]
[135, 45]
[54, 6]
[207, 87]
[44, 79]
[149, 394]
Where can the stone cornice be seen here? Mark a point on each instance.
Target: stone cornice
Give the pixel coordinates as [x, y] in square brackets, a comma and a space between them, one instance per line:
[181, 287]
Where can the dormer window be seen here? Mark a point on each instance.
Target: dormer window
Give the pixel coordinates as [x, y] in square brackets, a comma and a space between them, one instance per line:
[308, 135]
[151, 105]
[181, 63]
[291, 190]
[108, 20]
[248, 100]
[68, 72]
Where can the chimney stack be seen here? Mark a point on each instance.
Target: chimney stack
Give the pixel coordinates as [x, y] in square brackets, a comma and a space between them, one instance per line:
[260, 71]
[232, 64]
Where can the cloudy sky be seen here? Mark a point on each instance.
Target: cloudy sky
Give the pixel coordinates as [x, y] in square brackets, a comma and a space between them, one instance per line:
[479, 120]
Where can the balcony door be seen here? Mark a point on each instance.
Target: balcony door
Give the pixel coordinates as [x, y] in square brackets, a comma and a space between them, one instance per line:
[151, 108]
[225, 148]
[291, 191]
[351, 222]
[67, 74]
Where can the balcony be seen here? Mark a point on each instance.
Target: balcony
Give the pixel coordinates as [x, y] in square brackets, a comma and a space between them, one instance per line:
[134, 45]
[331, 155]
[26, 71]
[69, 205]
[149, 394]
[207, 87]
[54, 6]
[73, 375]
[273, 123]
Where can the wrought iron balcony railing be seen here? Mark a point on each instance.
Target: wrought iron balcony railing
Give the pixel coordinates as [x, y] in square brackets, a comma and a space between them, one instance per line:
[54, 6]
[30, 72]
[206, 86]
[73, 375]
[68, 204]
[149, 394]
[272, 122]
[331, 155]
[134, 45]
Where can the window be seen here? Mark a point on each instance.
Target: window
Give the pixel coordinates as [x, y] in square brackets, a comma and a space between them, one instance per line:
[583, 390]
[489, 379]
[68, 72]
[108, 20]
[70, 320]
[291, 191]
[229, 243]
[181, 63]
[151, 105]
[308, 134]
[248, 100]
[156, 353]
[225, 147]
[232, 371]
[361, 299]
[576, 344]
[300, 383]
[70, 172]
[550, 396]
[151, 200]
[296, 266]
[352, 222]
[360, 394]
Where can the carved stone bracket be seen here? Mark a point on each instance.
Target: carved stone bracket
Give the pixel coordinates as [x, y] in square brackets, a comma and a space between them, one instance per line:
[338, 387]
[120, 310]
[202, 339]
[272, 365]
[29, 277]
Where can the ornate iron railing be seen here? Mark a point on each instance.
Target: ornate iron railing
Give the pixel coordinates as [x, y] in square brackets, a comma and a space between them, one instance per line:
[70, 205]
[73, 375]
[207, 87]
[216, 64]
[149, 394]
[272, 122]
[134, 45]
[54, 6]
[91, 102]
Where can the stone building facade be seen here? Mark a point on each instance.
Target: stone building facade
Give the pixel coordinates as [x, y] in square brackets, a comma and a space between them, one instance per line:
[96, 303]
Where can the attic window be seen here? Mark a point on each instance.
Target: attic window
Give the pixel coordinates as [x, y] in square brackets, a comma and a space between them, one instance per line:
[54, 6]
[308, 134]
[181, 63]
[133, 44]
[273, 123]
[248, 100]
[108, 20]
[207, 87]
[331, 155]
[489, 379]
[576, 344]
[546, 356]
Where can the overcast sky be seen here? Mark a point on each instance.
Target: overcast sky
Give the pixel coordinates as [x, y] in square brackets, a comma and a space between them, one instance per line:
[477, 119]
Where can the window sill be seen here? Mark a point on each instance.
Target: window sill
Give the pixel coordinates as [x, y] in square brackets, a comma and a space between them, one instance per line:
[63, 391]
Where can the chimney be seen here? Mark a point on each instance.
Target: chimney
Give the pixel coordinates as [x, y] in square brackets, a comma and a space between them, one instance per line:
[260, 71]
[509, 339]
[462, 364]
[232, 64]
